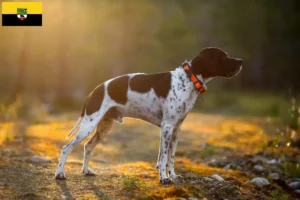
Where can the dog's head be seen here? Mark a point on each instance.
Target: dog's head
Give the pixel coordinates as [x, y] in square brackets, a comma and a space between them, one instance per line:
[214, 62]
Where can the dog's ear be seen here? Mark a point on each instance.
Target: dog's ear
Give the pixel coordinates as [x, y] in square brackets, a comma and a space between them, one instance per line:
[202, 65]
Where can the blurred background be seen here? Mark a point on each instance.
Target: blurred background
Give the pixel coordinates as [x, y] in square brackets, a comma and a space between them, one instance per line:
[47, 72]
[83, 43]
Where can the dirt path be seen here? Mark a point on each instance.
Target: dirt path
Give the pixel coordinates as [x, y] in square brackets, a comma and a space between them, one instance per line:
[125, 161]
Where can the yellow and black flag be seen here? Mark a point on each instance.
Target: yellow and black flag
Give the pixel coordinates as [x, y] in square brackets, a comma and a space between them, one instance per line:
[22, 14]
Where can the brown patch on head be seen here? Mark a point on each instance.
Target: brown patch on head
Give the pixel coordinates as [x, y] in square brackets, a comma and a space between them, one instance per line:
[117, 89]
[212, 62]
[212, 52]
[161, 83]
[94, 101]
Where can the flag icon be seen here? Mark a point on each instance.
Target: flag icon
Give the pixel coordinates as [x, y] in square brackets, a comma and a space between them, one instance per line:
[22, 14]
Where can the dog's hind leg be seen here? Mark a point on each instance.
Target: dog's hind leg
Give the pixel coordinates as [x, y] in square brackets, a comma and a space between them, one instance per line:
[87, 126]
[103, 129]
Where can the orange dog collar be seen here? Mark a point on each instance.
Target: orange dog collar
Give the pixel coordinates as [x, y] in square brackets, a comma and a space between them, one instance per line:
[199, 85]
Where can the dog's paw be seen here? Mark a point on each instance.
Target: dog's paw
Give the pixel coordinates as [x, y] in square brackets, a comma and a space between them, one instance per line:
[88, 172]
[174, 177]
[166, 181]
[60, 176]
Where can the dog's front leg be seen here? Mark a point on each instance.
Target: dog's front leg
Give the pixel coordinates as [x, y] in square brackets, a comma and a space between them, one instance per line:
[166, 134]
[159, 155]
[172, 150]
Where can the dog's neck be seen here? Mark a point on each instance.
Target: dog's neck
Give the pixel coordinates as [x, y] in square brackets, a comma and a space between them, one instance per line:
[199, 76]
[181, 73]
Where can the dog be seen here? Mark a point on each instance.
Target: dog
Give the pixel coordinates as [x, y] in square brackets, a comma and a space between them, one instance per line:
[162, 99]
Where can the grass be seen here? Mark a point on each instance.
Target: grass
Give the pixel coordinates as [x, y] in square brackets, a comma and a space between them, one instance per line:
[137, 180]
[276, 195]
[292, 169]
[208, 151]
[124, 176]
[133, 183]
[7, 138]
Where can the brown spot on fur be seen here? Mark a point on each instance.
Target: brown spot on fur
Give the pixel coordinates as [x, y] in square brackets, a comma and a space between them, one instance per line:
[112, 113]
[83, 110]
[94, 100]
[160, 82]
[117, 89]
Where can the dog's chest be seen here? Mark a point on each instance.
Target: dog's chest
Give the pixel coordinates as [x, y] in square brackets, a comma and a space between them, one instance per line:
[182, 95]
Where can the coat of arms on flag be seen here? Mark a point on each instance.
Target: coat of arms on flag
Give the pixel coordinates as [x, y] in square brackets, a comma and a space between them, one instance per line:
[22, 13]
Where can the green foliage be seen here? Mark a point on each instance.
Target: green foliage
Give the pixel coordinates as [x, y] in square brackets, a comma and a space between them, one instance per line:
[17, 111]
[117, 37]
[7, 137]
[14, 110]
[182, 38]
[104, 198]
[292, 169]
[208, 151]
[244, 103]
[132, 183]
[293, 121]
[27, 109]
[106, 39]
[277, 195]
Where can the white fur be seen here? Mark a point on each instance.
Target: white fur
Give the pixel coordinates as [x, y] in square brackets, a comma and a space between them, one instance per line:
[167, 113]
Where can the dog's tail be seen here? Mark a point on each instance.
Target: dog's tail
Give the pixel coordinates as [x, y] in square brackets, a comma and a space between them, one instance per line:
[79, 119]
[75, 127]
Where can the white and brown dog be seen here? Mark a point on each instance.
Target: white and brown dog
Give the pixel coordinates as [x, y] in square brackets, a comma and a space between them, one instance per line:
[162, 99]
